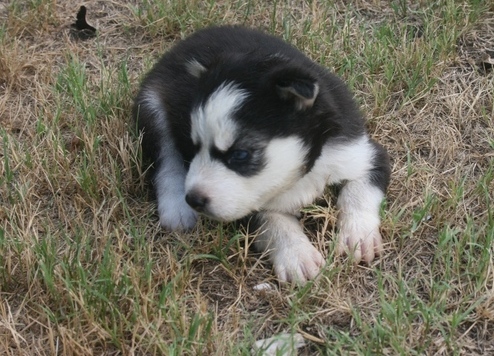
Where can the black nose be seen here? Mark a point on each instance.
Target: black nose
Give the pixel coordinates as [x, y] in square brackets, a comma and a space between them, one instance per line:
[196, 200]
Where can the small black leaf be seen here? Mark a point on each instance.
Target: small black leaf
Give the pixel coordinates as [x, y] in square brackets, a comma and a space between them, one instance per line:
[81, 29]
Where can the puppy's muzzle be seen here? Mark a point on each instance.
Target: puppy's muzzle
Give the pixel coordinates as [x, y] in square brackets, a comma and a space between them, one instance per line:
[197, 201]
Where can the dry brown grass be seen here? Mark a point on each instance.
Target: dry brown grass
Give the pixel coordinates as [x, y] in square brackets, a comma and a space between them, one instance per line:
[85, 268]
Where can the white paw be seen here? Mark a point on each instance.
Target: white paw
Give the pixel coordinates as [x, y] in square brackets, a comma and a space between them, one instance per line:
[358, 221]
[361, 244]
[176, 214]
[297, 262]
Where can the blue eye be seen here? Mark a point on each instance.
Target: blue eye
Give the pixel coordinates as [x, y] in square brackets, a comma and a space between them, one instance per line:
[238, 156]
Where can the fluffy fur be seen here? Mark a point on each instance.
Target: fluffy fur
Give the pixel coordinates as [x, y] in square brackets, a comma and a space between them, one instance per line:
[237, 124]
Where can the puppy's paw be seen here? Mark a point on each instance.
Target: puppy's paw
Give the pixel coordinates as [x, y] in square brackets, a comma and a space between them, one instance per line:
[361, 244]
[297, 262]
[176, 214]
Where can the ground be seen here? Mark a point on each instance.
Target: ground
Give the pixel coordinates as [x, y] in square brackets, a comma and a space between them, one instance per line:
[86, 269]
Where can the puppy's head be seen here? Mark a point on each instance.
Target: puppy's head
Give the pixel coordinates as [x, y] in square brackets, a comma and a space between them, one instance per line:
[248, 139]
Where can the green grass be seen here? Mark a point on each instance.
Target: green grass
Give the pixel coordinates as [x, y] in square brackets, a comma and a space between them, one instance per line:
[84, 266]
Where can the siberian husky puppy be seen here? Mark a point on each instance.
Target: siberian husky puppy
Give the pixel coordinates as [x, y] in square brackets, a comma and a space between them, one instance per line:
[238, 123]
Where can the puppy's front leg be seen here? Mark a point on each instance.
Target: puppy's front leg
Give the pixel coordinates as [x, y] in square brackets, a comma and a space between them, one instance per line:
[169, 182]
[359, 202]
[358, 220]
[169, 168]
[289, 250]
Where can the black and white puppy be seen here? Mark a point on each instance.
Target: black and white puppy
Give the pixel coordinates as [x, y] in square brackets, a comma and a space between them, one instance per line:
[238, 123]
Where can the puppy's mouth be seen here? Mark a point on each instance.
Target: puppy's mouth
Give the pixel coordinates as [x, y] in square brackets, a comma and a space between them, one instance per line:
[205, 210]
[210, 215]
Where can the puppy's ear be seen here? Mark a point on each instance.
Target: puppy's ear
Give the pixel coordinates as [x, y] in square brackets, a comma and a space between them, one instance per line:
[293, 84]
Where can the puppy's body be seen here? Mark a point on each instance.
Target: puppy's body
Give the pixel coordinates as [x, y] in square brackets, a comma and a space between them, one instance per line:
[239, 123]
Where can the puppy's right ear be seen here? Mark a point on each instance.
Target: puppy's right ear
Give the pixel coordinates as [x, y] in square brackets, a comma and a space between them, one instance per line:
[195, 68]
[294, 84]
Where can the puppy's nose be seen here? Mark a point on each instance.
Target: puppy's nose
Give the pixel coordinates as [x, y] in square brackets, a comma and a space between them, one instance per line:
[196, 200]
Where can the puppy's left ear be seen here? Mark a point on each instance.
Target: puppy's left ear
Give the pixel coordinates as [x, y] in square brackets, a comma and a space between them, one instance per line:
[296, 85]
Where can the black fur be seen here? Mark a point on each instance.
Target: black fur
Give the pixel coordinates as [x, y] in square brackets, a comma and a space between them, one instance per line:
[381, 173]
[261, 64]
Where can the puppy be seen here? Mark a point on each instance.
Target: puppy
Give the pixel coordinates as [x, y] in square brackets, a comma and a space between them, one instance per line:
[238, 123]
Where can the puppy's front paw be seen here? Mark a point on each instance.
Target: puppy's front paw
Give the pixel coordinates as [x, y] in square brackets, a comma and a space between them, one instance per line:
[361, 244]
[176, 214]
[297, 262]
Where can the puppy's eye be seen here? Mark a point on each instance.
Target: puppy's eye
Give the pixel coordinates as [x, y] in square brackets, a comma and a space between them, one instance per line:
[238, 156]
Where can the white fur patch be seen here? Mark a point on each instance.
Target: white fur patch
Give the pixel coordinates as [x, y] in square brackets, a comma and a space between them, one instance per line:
[212, 124]
[231, 195]
[350, 160]
[293, 257]
[346, 161]
[195, 68]
[174, 212]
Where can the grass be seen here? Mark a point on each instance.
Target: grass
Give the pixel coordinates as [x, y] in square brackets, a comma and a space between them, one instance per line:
[85, 268]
